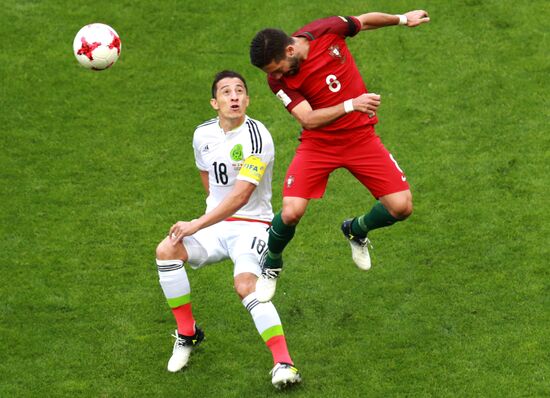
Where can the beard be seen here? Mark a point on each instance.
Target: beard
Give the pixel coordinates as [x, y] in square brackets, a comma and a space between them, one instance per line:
[294, 66]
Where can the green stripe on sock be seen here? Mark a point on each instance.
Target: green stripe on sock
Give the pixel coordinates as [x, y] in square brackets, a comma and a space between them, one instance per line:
[179, 301]
[273, 331]
[280, 234]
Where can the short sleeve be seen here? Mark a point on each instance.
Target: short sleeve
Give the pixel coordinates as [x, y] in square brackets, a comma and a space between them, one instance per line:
[198, 150]
[341, 26]
[290, 98]
[261, 155]
[252, 170]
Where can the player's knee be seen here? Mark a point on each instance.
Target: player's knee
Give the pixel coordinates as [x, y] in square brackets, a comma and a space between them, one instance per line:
[291, 216]
[165, 250]
[244, 285]
[406, 211]
[399, 205]
[402, 209]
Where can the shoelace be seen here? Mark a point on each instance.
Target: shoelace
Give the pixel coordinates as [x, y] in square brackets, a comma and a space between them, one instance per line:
[282, 366]
[271, 273]
[181, 342]
[365, 242]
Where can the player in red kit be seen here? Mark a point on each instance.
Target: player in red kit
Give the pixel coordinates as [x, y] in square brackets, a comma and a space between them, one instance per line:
[315, 76]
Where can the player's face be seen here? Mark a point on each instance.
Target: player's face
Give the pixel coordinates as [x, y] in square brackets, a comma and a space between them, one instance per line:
[288, 66]
[231, 99]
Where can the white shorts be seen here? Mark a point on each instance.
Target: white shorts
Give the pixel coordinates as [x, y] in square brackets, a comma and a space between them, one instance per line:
[241, 241]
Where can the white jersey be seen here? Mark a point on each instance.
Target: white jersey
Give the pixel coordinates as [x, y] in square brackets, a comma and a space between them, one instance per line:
[246, 153]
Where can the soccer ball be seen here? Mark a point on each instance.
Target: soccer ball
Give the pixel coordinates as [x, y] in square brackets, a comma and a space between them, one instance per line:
[96, 46]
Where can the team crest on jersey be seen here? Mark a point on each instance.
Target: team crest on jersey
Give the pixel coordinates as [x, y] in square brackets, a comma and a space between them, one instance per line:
[237, 156]
[237, 153]
[335, 52]
[289, 181]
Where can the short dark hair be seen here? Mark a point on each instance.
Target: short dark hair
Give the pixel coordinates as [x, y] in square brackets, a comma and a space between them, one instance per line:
[268, 45]
[222, 75]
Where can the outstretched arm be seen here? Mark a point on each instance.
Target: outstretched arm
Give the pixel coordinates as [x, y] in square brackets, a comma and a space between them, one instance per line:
[375, 20]
[237, 198]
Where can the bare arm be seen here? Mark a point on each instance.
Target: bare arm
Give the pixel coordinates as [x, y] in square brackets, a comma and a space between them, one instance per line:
[312, 119]
[366, 103]
[237, 198]
[204, 180]
[375, 20]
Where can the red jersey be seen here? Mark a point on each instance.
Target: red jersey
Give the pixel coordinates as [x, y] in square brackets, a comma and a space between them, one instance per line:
[329, 75]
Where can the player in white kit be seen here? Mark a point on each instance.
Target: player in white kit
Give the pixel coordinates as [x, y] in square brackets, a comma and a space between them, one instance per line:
[234, 154]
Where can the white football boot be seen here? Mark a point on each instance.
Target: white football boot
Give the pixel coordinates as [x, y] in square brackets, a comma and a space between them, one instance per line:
[182, 349]
[284, 375]
[359, 247]
[267, 284]
[267, 281]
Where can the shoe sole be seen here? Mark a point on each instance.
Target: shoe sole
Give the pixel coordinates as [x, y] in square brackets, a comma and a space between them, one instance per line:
[287, 383]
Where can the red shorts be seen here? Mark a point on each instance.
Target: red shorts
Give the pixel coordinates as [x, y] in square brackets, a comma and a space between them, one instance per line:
[360, 152]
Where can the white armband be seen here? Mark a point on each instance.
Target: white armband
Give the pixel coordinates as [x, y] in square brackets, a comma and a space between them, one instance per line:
[402, 19]
[348, 106]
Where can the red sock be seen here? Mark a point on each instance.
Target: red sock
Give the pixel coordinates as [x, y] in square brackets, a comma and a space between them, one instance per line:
[184, 319]
[279, 350]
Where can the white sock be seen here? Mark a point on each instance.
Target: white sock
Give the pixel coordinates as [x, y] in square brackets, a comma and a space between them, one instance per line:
[174, 282]
[265, 317]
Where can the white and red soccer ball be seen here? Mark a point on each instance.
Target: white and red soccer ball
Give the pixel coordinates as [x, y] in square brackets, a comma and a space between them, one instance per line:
[97, 46]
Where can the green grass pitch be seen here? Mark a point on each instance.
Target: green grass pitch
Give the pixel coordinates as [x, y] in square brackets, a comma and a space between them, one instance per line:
[95, 167]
